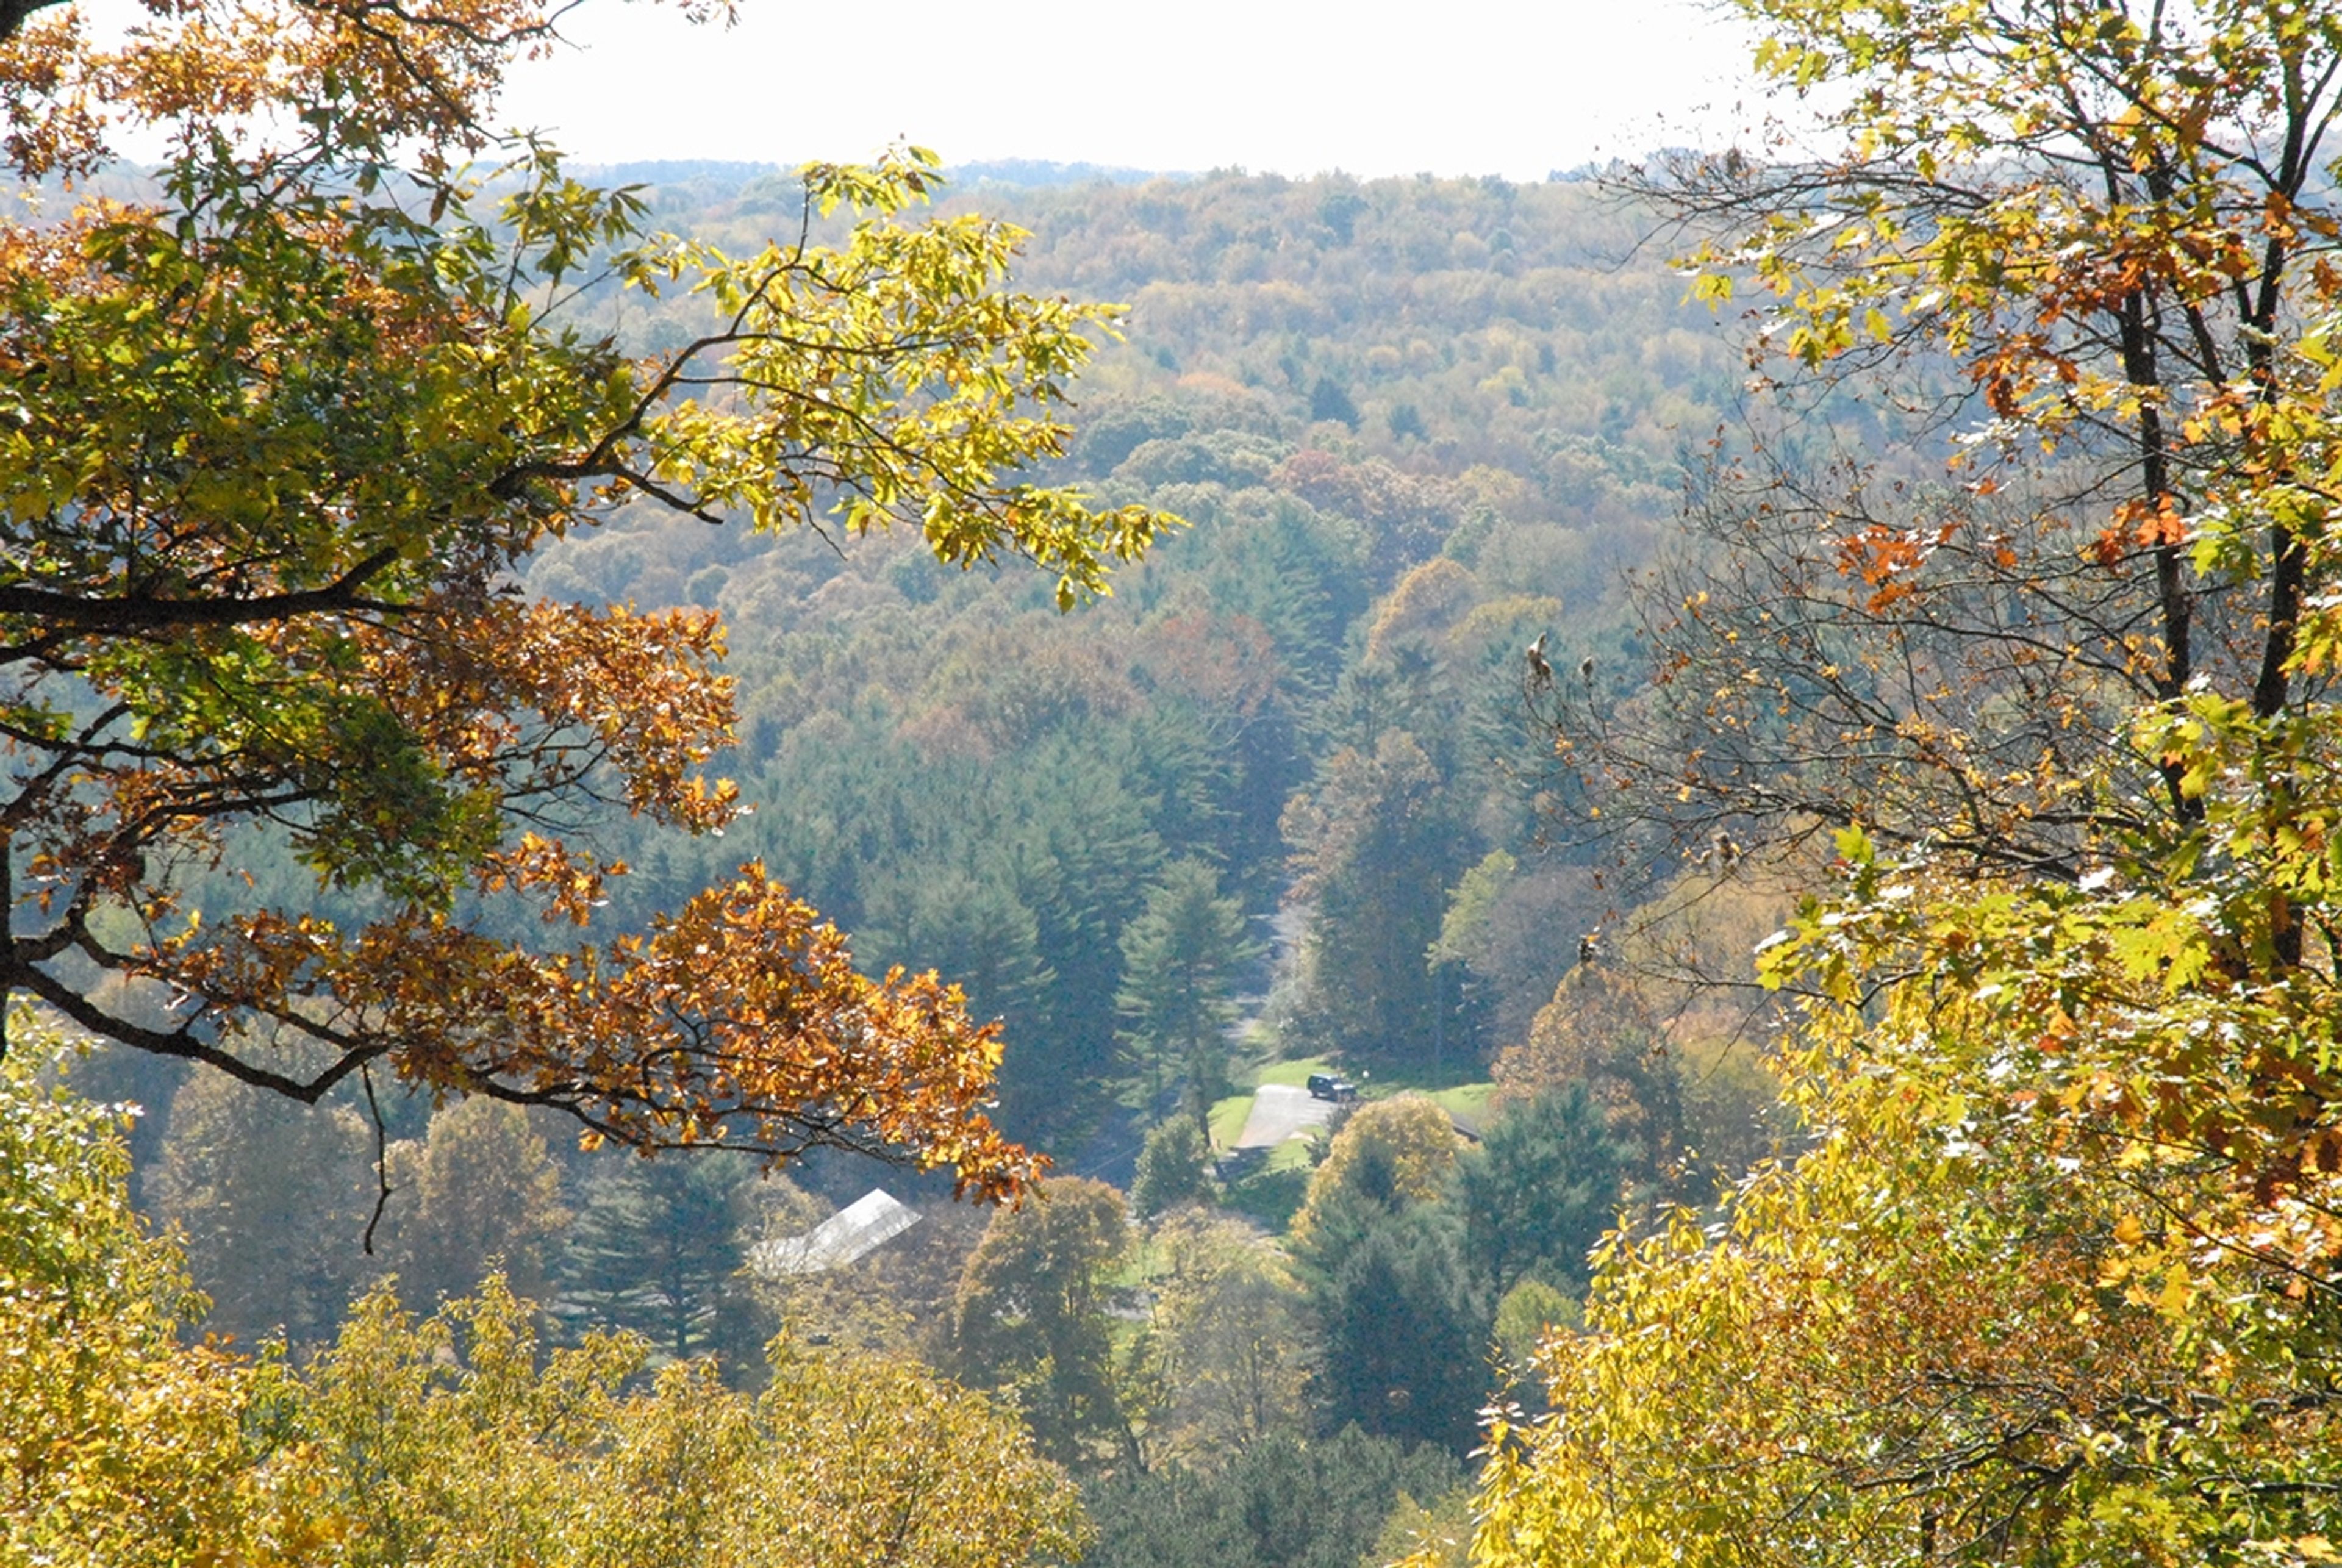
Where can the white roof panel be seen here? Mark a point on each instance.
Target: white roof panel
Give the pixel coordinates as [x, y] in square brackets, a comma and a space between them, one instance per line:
[854, 1231]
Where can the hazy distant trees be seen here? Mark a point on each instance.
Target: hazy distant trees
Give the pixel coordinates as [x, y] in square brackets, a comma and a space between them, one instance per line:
[479, 1191]
[270, 1198]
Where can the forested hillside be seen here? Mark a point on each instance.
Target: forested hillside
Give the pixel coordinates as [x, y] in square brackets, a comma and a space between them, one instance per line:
[1412, 425]
[1280, 803]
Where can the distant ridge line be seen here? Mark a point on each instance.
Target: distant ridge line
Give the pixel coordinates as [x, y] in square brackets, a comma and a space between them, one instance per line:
[1025, 173]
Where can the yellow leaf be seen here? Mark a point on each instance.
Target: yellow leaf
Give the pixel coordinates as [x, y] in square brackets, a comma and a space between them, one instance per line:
[2176, 1294]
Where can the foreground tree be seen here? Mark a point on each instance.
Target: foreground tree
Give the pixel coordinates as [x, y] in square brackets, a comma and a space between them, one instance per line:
[2131, 176]
[2009, 1307]
[281, 433]
[2083, 251]
[455, 1438]
[119, 1442]
[2056, 1279]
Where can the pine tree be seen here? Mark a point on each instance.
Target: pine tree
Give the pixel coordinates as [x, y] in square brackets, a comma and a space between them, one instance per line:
[1542, 1187]
[1174, 1167]
[1406, 1336]
[658, 1249]
[1180, 962]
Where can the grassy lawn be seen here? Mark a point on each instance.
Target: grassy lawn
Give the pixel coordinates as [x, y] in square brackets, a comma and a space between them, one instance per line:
[1468, 1101]
[1292, 1073]
[1226, 1119]
[1271, 1192]
[1292, 1154]
[1227, 1116]
[1140, 1264]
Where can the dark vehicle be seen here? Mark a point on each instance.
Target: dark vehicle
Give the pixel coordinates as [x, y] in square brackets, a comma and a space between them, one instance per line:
[1326, 1086]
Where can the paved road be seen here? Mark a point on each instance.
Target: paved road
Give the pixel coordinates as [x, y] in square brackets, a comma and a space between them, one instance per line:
[1279, 1111]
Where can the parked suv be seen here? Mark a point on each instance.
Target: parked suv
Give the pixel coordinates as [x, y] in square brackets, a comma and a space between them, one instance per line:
[1326, 1086]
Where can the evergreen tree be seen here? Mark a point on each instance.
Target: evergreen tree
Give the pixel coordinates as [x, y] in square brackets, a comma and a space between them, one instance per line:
[1376, 842]
[658, 1249]
[1540, 1189]
[1087, 848]
[1180, 962]
[1329, 403]
[1301, 574]
[1174, 1167]
[1405, 1335]
[1380, 1245]
[976, 932]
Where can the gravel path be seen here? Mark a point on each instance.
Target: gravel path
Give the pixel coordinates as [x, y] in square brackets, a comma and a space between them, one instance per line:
[1279, 1111]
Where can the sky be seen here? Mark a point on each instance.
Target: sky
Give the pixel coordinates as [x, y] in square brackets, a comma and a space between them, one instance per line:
[1291, 86]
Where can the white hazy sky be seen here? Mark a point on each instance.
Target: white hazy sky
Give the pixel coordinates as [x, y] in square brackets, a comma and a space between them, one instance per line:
[1454, 87]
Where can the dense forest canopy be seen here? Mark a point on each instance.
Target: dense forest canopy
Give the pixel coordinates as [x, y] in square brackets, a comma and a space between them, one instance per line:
[1277, 795]
[968, 780]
